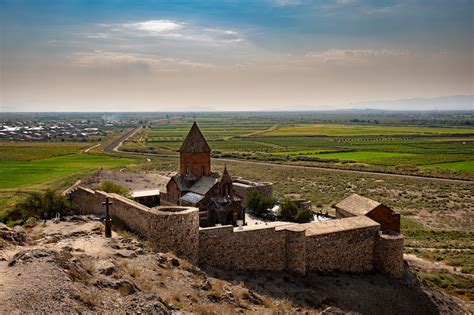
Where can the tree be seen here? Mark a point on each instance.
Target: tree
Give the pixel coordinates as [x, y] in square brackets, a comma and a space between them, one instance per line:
[259, 202]
[37, 203]
[288, 210]
[303, 216]
[111, 187]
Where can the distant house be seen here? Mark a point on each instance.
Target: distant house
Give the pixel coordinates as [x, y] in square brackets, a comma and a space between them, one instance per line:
[356, 205]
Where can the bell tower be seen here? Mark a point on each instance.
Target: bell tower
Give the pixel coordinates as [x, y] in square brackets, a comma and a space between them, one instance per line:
[194, 155]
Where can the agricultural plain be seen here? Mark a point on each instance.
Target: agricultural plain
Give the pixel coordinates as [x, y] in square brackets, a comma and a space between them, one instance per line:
[41, 165]
[24, 165]
[404, 149]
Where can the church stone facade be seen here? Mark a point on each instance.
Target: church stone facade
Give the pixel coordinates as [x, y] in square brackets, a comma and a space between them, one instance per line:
[197, 186]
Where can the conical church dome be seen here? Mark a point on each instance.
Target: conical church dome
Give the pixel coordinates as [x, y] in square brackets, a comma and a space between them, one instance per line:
[195, 142]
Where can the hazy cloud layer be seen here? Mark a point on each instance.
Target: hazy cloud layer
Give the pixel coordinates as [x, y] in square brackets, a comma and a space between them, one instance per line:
[269, 54]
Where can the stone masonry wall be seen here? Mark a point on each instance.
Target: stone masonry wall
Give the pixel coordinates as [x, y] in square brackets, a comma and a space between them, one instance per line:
[87, 201]
[346, 245]
[340, 245]
[168, 229]
[345, 251]
[258, 249]
[388, 256]
[295, 249]
[197, 163]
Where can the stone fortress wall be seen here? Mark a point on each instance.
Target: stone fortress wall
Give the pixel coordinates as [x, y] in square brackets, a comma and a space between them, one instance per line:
[352, 244]
[168, 229]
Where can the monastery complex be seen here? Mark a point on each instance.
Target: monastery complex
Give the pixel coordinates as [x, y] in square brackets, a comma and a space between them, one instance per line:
[201, 218]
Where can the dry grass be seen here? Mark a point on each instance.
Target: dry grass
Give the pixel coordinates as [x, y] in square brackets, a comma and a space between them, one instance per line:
[218, 287]
[205, 309]
[91, 298]
[133, 271]
[88, 264]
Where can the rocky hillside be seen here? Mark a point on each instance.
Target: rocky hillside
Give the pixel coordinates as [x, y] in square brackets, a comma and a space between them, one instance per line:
[68, 266]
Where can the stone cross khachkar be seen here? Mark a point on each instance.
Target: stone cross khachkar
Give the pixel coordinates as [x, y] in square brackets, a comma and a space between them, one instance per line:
[108, 219]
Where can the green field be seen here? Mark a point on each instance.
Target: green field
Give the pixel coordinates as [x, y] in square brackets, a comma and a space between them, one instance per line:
[21, 151]
[364, 156]
[410, 149]
[460, 166]
[15, 174]
[375, 130]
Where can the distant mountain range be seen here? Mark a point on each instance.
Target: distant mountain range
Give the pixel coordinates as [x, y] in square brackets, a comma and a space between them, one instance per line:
[455, 102]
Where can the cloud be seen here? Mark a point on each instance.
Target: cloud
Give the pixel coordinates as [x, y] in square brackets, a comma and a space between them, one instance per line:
[287, 2]
[167, 29]
[384, 10]
[156, 26]
[353, 56]
[133, 62]
[345, 2]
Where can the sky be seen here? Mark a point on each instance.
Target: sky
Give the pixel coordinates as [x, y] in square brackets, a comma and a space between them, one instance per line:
[222, 55]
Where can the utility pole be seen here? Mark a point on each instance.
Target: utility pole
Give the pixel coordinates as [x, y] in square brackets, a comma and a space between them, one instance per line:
[108, 219]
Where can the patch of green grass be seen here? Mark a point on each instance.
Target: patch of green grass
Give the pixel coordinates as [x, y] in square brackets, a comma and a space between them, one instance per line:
[454, 284]
[460, 166]
[363, 156]
[463, 260]
[418, 236]
[15, 174]
[361, 130]
[21, 151]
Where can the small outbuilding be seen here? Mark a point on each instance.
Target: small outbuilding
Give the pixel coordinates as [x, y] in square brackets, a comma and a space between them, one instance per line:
[356, 205]
[149, 198]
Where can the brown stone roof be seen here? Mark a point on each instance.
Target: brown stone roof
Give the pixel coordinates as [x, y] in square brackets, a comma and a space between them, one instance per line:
[195, 141]
[180, 182]
[203, 185]
[358, 205]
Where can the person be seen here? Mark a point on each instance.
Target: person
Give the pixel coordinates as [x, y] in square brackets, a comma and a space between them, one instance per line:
[45, 215]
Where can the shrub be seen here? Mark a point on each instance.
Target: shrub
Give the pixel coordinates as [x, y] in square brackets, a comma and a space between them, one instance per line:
[303, 216]
[259, 202]
[38, 203]
[289, 211]
[111, 187]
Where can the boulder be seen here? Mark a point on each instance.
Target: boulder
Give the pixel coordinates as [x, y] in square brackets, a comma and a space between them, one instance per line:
[125, 253]
[29, 255]
[106, 267]
[4, 227]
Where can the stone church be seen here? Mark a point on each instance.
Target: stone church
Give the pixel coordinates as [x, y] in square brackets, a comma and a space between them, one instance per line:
[196, 185]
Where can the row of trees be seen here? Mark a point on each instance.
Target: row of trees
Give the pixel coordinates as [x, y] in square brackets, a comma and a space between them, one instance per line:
[289, 210]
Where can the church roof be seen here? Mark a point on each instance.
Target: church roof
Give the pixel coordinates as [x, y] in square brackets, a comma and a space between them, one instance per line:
[192, 198]
[180, 182]
[203, 185]
[195, 141]
[358, 205]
